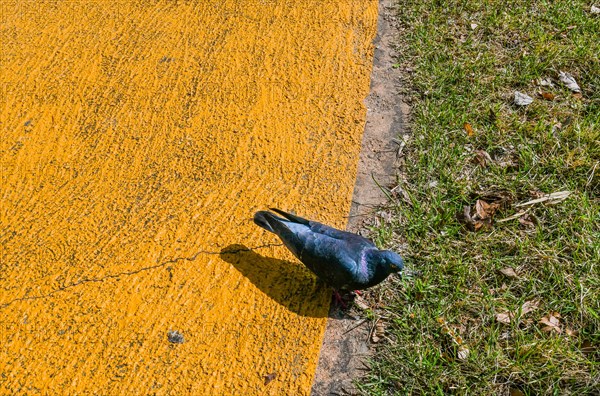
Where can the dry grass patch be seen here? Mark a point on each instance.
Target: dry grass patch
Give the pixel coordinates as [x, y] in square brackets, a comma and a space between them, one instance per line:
[499, 204]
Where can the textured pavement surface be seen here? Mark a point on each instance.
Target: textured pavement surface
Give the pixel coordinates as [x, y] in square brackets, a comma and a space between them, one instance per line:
[138, 139]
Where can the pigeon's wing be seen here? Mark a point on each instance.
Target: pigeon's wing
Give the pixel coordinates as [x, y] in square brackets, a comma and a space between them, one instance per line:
[330, 259]
[333, 255]
[331, 232]
[351, 238]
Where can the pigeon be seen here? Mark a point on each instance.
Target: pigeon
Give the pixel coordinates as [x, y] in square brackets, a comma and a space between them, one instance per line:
[343, 260]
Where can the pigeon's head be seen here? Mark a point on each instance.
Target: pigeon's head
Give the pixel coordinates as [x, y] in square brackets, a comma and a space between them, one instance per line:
[392, 261]
[380, 264]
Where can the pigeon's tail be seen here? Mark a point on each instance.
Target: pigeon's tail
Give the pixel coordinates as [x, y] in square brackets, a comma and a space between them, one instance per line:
[281, 227]
[291, 217]
[261, 218]
[270, 222]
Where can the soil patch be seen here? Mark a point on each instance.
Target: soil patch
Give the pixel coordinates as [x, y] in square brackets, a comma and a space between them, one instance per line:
[346, 345]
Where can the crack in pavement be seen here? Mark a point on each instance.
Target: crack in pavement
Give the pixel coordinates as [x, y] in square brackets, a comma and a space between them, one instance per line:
[133, 272]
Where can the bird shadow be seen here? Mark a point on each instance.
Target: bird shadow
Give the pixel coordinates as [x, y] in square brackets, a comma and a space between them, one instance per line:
[289, 284]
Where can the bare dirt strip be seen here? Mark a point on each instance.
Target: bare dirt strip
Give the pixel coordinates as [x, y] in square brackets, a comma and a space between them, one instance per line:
[346, 345]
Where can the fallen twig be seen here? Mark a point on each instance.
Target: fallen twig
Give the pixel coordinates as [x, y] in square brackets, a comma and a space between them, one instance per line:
[355, 326]
[515, 216]
[551, 198]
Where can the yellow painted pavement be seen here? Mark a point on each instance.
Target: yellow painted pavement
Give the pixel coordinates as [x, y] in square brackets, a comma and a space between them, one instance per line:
[137, 140]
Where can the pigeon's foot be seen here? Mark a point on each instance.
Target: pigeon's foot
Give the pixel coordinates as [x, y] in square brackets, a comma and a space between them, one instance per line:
[339, 301]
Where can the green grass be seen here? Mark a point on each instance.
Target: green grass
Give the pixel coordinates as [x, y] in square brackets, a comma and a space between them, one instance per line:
[456, 73]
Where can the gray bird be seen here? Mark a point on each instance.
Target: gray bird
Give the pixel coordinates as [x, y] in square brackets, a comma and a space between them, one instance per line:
[341, 259]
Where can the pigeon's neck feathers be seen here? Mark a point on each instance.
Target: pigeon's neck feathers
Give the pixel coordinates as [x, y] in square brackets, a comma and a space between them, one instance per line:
[365, 265]
[373, 267]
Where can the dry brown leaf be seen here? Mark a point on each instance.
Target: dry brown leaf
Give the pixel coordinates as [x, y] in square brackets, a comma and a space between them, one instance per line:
[509, 272]
[361, 303]
[485, 210]
[569, 81]
[571, 332]
[552, 322]
[482, 218]
[529, 306]
[537, 194]
[478, 225]
[466, 216]
[505, 317]
[469, 129]
[398, 191]
[547, 95]
[463, 352]
[483, 158]
[528, 220]
[510, 163]
[270, 377]
[577, 95]
[556, 127]
[378, 332]
[522, 99]
[457, 339]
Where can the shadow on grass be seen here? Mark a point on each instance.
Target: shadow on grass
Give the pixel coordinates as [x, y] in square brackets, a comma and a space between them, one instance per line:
[289, 284]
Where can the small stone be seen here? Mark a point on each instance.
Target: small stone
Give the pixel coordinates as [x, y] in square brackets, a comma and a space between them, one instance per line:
[569, 81]
[432, 184]
[522, 99]
[175, 337]
[463, 352]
